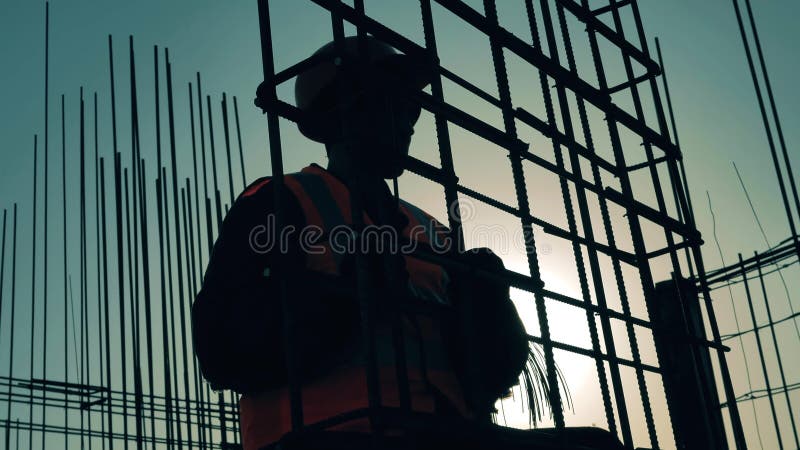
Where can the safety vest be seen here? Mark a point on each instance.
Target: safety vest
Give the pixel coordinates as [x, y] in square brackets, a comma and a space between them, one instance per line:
[325, 202]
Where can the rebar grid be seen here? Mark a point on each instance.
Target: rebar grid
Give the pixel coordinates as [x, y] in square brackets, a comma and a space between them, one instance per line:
[131, 403]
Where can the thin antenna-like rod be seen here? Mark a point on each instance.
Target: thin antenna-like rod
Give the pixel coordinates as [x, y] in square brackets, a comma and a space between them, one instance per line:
[33, 285]
[769, 245]
[239, 140]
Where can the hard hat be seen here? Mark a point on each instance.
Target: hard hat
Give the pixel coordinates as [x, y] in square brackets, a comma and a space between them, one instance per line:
[316, 89]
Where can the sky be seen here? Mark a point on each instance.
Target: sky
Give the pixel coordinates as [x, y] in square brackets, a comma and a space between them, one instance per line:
[717, 119]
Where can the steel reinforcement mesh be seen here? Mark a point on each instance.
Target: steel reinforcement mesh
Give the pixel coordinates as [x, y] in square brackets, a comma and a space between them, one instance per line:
[592, 203]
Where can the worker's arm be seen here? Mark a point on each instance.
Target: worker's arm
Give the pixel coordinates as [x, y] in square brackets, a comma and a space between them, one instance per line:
[236, 316]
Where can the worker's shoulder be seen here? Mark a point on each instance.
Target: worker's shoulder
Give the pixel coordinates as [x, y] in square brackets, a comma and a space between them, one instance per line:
[259, 196]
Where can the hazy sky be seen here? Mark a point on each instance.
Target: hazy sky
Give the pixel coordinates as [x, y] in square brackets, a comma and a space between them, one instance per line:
[712, 93]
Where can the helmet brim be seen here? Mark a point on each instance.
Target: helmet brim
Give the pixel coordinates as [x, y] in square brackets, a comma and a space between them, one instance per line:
[398, 71]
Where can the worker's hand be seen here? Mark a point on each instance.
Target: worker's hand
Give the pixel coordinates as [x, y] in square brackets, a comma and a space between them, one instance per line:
[492, 347]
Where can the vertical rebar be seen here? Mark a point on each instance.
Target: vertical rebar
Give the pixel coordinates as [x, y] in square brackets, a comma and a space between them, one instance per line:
[99, 268]
[239, 141]
[12, 322]
[147, 297]
[217, 200]
[592, 252]
[193, 284]
[2, 285]
[82, 250]
[173, 340]
[442, 133]
[64, 249]
[775, 118]
[46, 179]
[784, 385]
[276, 160]
[33, 287]
[760, 352]
[121, 291]
[137, 387]
[585, 218]
[106, 315]
[685, 215]
[119, 242]
[767, 128]
[159, 162]
[3, 269]
[199, 249]
[226, 129]
[164, 323]
[209, 229]
[179, 260]
[523, 206]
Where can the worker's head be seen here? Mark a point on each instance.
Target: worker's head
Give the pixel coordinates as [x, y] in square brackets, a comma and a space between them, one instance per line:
[360, 103]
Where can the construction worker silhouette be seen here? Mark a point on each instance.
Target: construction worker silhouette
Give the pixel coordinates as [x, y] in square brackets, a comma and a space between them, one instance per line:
[359, 102]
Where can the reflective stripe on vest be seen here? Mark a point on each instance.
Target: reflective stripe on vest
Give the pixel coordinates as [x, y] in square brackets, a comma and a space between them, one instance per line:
[325, 202]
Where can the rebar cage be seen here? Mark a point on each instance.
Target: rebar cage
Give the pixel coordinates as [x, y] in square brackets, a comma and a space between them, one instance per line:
[590, 121]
